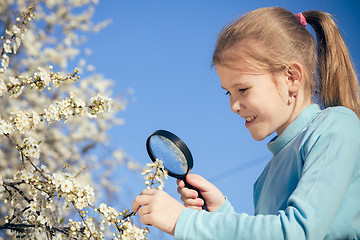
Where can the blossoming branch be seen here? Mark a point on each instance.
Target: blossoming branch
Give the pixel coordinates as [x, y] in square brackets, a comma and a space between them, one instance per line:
[39, 201]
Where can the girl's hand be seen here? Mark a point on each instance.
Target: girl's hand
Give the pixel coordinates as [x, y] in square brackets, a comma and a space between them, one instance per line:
[212, 195]
[159, 209]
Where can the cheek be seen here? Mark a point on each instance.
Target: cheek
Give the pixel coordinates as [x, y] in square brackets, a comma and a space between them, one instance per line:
[282, 92]
[275, 108]
[279, 95]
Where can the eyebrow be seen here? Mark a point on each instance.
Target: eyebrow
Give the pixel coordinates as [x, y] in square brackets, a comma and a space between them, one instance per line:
[235, 85]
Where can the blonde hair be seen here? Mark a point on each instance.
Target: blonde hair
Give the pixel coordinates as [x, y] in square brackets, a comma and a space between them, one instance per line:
[272, 37]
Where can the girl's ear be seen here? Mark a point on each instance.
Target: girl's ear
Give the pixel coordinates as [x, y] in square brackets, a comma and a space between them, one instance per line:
[295, 76]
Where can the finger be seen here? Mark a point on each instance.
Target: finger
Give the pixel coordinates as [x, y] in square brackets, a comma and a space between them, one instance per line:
[179, 190]
[147, 191]
[146, 219]
[180, 183]
[193, 202]
[199, 182]
[188, 193]
[196, 208]
[139, 201]
[136, 204]
[144, 210]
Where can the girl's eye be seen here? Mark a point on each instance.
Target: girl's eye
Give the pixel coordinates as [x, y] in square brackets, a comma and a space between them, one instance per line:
[243, 90]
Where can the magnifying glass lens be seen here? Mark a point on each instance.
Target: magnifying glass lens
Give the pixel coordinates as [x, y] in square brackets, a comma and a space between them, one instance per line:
[165, 150]
[174, 154]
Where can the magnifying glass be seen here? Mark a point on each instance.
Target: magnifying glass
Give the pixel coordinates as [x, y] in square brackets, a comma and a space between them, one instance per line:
[174, 154]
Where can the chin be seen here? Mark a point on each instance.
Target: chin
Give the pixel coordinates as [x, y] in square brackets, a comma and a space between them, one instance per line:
[259, 137]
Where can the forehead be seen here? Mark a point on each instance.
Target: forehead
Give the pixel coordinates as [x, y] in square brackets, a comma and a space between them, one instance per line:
[231, 78]
[237, 71]
[244, 64]
[234, 78]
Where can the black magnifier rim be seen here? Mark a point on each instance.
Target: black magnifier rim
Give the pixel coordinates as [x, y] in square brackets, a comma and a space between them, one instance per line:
[179, 143]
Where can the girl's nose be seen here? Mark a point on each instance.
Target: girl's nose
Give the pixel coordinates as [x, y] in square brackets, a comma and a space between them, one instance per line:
[235, 105]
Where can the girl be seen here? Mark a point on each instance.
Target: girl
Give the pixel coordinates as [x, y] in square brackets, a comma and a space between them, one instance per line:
[267, 61]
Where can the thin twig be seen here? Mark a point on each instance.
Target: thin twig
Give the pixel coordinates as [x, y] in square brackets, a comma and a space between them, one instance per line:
[27, 158]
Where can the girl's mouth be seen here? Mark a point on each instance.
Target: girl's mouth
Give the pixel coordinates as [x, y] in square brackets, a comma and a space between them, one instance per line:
[249, 121]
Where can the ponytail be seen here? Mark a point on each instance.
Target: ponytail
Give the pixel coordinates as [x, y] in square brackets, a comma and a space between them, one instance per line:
[337, 83]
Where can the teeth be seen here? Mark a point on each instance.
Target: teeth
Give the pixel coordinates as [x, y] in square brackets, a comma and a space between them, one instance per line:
[248, 119]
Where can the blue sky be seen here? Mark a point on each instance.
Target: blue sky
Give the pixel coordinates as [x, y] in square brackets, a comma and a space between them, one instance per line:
[162, 50]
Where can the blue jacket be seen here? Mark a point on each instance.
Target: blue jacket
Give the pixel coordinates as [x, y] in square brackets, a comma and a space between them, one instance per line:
[309, 190]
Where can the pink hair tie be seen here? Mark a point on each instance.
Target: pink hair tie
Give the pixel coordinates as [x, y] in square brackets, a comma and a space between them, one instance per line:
[301, 18]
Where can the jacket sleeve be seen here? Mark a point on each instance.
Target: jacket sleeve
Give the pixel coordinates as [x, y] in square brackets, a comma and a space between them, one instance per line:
[331, 156]
[226, 207]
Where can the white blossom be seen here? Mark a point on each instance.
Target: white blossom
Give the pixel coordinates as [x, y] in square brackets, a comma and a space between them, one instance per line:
[103, 209]
[7, 32]
[132, 232]
[14, 80]
[23, 175]
[17, 93]
[57, 179]
[90, 195]
[35, 119]
[154, 174]
[5, 127]
[21, 121]
[16, 44]
[24, 121]
[81, 203]
[44, 76]
[66, 186]
[5, 61]
[7, 48]
[16, 29]
[3, 87]
[100, 104]
[42, 218]
[31, 148]
[33, 206]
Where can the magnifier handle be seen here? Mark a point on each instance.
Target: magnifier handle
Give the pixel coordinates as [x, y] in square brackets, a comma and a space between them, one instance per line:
[199, 194]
